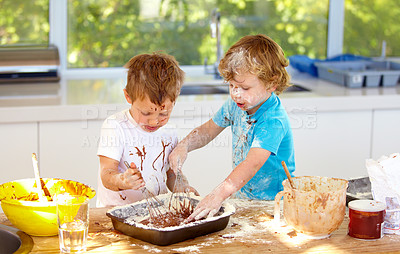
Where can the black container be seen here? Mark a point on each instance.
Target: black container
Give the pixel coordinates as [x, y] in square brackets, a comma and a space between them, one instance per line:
[358, 188]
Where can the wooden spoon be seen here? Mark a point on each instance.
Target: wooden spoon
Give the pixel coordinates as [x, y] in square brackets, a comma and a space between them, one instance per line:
[288, 175]
[39, 189]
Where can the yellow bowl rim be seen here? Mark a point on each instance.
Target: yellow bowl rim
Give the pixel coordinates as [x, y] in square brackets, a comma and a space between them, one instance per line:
[36, 203]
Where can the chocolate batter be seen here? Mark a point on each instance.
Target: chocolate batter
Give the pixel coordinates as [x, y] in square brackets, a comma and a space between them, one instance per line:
[174, 217]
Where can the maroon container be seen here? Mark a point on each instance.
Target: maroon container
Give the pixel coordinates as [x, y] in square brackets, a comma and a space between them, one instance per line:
[366, 219]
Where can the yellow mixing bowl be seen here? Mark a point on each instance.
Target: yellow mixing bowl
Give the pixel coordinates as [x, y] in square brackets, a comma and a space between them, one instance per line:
[37, 218]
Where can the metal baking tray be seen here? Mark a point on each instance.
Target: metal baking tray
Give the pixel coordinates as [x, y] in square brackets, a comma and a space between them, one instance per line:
[126, 219]
[358, 188]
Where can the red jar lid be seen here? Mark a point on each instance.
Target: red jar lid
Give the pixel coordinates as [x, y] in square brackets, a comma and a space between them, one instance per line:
[367, 205]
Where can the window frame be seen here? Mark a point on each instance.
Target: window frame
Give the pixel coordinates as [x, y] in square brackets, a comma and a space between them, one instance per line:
[58, 20]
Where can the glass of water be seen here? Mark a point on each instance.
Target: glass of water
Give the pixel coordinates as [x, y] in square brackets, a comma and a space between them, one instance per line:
[73, 222]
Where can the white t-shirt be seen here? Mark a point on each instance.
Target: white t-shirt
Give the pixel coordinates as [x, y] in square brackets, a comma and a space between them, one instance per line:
[123, 140]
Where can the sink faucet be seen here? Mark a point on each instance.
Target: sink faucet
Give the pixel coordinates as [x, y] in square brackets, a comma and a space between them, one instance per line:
[215, 33]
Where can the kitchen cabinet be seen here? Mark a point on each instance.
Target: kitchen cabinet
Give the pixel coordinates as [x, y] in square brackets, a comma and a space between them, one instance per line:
[207, 167]
[68, 150]
[385, 135]
[18, 142]
[333, 144]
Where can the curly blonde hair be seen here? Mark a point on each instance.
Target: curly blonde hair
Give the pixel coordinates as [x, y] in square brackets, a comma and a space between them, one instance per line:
[259, 55]
[156, 75]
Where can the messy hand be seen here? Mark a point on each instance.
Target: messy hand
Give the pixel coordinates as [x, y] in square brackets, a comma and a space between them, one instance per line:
[177, 157]
[193, 190]
[187, 189]
[132, 178]
[207, 207]
[177, 182]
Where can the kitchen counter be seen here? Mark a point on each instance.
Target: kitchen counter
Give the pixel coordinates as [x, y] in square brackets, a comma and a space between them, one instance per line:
[77, 99]
[250, 229]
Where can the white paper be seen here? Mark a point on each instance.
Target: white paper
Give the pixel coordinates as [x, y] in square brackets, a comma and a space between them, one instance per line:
[384, 175]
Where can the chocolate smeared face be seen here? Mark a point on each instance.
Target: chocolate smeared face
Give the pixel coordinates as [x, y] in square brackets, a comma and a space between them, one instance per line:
[149, 116]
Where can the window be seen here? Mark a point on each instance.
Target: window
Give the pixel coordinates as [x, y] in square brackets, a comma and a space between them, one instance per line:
[368, 23]
[107, 33]
[24, 22]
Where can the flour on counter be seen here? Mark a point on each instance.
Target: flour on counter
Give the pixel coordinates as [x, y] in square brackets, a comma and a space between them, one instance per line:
[148, 248]
[196, 247]
[243, 228]
[193, 248]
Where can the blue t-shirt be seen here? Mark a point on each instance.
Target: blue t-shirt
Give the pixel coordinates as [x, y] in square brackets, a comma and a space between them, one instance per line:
[268, 128]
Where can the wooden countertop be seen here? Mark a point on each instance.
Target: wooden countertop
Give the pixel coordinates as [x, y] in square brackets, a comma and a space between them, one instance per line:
[250, 230]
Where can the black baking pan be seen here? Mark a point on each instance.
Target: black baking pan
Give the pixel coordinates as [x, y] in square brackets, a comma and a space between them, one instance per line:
[126, 219]
[358, 188]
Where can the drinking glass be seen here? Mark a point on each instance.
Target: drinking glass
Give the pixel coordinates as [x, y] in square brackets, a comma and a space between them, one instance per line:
[73, 222]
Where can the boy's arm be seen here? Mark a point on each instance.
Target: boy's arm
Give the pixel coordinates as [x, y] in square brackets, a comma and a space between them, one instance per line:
[114, 180]
[202, 135]
[183, 186]
[237, 179]
[197, 138]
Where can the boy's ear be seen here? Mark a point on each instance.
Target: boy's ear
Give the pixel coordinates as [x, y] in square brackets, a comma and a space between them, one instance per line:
[127, 97]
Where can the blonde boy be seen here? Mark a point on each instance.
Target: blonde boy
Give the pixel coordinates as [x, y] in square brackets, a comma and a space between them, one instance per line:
[262, 137]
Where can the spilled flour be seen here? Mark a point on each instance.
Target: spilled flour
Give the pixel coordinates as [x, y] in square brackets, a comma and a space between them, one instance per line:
[241, 228]
[188, 249]
[251, 228]
[251, 225]
[148, 248]
[244, 225]
[248, 222]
